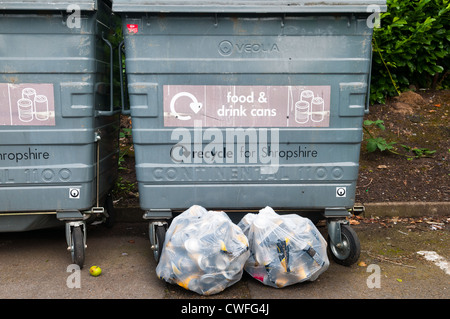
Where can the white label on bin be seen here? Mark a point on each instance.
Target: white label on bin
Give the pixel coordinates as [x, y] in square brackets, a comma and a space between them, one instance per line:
[27, 104]
[246, 106]
[341, 191]
[74, 193]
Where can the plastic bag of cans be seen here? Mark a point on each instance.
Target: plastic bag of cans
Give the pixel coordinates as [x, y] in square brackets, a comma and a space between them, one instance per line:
[284, 249]
[204, 251]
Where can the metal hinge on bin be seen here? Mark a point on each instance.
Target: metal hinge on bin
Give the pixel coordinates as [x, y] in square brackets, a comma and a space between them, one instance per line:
[158, 214]
[99, 210]
[69, 215]
[358, 210]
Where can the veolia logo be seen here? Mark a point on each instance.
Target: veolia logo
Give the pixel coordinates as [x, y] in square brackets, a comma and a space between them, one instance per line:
[226, 47]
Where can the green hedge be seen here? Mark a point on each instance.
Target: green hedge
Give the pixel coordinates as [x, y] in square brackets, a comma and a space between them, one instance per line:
[412, 47]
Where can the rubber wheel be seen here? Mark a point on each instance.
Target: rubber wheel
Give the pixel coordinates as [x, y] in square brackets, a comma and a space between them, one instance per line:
[160, 232]
[109, 207]
[349, 253]
[77, 246]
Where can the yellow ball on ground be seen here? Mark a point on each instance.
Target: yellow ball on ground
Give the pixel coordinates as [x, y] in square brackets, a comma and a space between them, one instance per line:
[95, 271]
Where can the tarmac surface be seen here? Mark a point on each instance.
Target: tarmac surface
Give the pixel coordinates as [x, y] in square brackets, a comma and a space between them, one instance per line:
[36, 265]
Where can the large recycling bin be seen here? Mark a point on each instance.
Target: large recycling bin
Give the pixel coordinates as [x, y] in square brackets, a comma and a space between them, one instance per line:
[58, 127]
[238, 105]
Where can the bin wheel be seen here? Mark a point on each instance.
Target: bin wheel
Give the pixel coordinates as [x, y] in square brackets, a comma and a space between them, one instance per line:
[77, 249]
[350, 249]
[109, 207]
[160, 236]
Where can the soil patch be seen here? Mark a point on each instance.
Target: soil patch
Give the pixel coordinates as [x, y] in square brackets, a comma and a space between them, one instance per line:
[421, 123]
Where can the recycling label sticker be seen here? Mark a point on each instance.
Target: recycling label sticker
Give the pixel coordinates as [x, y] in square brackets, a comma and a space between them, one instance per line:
[246, 106]
[27, 104]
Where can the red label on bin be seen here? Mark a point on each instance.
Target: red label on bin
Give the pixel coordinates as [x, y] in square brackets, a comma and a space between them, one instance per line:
[132, 28]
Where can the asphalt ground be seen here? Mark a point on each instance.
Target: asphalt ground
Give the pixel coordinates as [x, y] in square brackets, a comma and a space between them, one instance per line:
[36, 265]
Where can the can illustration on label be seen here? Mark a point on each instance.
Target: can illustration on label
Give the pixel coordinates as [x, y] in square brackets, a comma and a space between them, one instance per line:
[27, 104]
[25, 110]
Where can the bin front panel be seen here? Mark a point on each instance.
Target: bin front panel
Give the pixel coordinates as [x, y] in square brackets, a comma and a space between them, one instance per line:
[243, 112]
[52, 81]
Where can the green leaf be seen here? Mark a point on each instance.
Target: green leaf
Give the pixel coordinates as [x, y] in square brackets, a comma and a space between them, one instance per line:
[380, 124]
[437, 68]
[406, 147]
[371, 145]
[381, 146]
[390, 145]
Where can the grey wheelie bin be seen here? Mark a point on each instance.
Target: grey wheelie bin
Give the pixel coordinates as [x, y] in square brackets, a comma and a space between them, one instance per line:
[238, 105]
[58, 127]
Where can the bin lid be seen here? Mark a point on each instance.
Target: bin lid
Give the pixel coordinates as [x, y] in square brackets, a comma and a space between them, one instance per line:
[89, 5]
[249, 6]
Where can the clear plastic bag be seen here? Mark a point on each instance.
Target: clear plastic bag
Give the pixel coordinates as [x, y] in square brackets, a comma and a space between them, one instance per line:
[204, 251]
[284, 249]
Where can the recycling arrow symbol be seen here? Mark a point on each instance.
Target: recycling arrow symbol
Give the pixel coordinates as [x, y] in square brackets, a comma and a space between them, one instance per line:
[195, 105]
[178, 155]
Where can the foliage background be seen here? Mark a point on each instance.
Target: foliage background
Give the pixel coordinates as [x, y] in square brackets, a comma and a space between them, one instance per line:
[411, 47]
